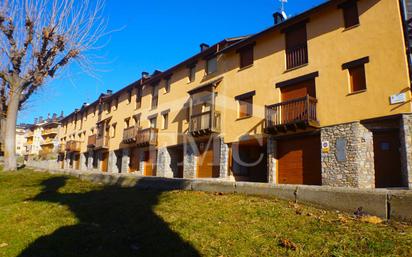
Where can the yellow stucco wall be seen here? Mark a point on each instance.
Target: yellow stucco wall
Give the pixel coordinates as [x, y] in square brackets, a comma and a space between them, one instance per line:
[329, 44]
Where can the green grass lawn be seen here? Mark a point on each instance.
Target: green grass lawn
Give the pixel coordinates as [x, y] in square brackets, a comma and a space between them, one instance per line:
[43, 215]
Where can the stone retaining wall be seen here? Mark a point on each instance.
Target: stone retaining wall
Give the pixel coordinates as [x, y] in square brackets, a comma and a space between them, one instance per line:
[388, 204]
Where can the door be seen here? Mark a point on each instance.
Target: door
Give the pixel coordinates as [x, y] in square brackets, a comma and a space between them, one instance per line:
[249, 161]
[299, 161]
[105, 161]
[296, 110]
[149, 163]
[134, 159]
[388, 172]
[206, 166]
[77, 161]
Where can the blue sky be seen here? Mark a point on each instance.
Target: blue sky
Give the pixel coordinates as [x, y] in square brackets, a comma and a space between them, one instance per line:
[155, 34]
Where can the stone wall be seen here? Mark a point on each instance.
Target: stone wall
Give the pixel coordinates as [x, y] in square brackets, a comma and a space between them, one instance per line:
[272, 159]
[189, 160]
[223, 158]
[164, 163]
[406, 149]
[125, 160]
[356, 168]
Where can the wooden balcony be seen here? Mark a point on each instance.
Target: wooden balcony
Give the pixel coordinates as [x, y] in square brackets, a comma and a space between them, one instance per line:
[204, 123]
[73, 146]
[102, 142]
[291, 115]
[296, 56]
[91, 141]
[48, 141]
[51, 131]
[147, 137]
[129, 135]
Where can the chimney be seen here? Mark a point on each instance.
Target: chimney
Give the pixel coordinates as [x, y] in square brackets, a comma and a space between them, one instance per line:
[41, 119]
[36, 120]
[203, 47]
[48, 116]
[278, 18]
[54, 118]
[145, 75]
[61, 114]
[109, 92]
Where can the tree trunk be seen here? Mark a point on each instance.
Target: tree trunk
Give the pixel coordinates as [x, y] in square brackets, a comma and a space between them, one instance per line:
[10, 161]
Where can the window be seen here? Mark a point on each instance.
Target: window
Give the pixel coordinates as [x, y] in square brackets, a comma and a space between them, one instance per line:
[245, 105]
[127, 123]
[165, 120]
[211, 65]
[153, 122]
[357, 76]
[129, 97]
[138, 97]
[113, 130]
[167, 85]
[192, 73]
[136, 119]
[246, 56]
[155, 97]
[115, 103]
[350, 13]
[296, 46]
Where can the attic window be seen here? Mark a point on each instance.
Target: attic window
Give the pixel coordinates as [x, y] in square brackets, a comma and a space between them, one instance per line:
[246, 56]
[350, 13]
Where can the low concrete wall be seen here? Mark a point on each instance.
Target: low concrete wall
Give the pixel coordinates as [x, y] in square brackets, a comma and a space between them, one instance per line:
[387, 204]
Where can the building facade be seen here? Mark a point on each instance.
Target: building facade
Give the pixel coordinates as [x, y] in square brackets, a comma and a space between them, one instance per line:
[42, 138]
[323, 98]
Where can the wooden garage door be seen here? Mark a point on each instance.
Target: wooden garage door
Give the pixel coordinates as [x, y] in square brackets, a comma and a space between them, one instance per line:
[299, 161]
[206, 167]
[387, 159]
[134, 159]
[149, 163]
[77, 161]
[105, 161]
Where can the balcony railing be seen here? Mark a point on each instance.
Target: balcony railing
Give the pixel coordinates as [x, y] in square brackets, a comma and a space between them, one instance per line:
[204, 123]
[129, 135]
[73, 146]
[102, 142]
[147, 137]
[48, 142]
[296, 56]
[295, 112]
[91, 141]
[51, 131]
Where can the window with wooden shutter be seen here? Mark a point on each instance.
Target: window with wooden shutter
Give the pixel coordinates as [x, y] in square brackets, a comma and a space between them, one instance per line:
[211, 65]
[138, 97]
[296, 46]
[192, 73]
[246, 56]
[357, 78]
[350, 13]
[357, 74]
[155, 96]
[245, 104]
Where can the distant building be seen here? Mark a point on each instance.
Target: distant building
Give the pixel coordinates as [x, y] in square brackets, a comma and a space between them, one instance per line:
[42, 137]
[21, 131]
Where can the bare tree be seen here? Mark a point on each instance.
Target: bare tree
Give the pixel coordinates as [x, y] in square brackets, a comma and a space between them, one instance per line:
[37, 39]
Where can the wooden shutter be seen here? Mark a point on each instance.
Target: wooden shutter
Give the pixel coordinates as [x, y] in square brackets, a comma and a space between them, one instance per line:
[357, 78]
[350, 14]
[246, 56]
